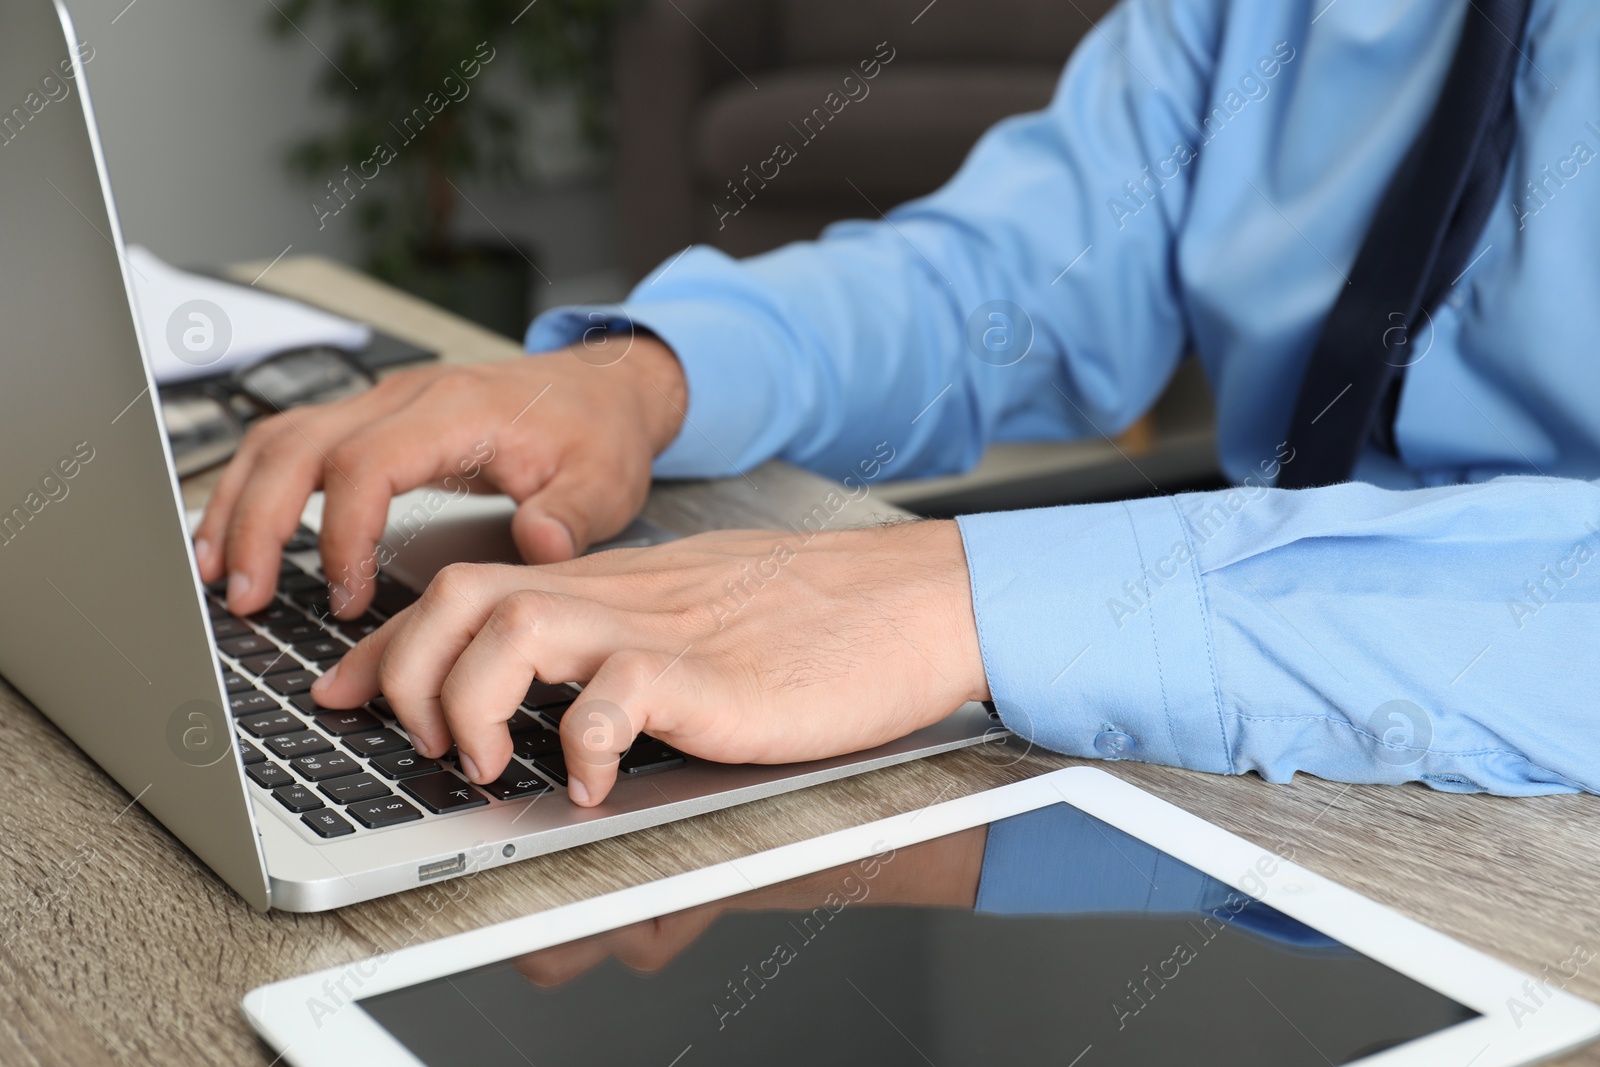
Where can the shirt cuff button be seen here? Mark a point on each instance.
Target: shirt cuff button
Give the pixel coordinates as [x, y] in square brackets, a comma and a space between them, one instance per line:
[1114, 744]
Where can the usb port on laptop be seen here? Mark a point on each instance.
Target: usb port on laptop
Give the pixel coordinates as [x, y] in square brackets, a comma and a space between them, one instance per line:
[439, 868]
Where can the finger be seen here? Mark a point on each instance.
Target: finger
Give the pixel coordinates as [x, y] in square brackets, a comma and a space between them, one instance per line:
[210, 537]
[287, 469]
[532, 633]
[360, 478]
[353, 680]
[421, 654]
[410, 448]
[633, 691]
[583, 502]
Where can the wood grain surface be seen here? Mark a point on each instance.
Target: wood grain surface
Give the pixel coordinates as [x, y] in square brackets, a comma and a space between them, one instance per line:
[118, 947]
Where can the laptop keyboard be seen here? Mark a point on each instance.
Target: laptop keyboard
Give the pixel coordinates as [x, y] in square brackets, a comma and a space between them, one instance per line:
[347, 772]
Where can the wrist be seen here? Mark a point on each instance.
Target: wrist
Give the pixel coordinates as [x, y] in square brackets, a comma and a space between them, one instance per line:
[940, 570]
[962, 614]
[662, 390]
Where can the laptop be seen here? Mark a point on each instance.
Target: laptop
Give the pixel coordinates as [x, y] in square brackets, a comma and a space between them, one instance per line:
[203, 717]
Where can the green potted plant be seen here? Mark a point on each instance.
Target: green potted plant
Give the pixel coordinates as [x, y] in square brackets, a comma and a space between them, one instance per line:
[409, 80]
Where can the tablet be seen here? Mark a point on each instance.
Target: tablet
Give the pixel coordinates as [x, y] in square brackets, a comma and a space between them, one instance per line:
[1071, 920]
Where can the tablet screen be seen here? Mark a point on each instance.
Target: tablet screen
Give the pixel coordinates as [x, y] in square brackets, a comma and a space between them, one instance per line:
[1050, 937]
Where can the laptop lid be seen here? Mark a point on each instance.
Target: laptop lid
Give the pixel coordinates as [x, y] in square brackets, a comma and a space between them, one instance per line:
[102, 620]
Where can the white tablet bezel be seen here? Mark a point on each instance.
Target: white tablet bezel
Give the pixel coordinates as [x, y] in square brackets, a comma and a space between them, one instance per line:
[312, 1019]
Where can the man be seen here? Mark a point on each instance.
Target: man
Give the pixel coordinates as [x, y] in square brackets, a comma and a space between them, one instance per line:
[1205, 180]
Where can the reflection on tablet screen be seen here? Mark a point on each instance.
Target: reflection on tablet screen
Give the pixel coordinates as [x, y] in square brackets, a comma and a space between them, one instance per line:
[1036, 939]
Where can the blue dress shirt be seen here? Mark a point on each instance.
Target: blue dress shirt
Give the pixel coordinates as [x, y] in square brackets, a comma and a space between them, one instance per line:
[1202, 181]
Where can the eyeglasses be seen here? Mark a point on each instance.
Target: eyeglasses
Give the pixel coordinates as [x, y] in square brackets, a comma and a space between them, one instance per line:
[207, 420]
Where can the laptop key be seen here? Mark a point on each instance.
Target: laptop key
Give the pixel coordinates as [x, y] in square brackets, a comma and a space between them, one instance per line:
[293, 631]
[228, 626]
[375, 743]
[531, 746]
[252, 702]
[296, 629]
[297, 798]
[391, 597]
[269, 775]
[271, 724]
[246, 644]
[357, 628]
[302, 743]
[320, 768]
[276, 613]
[296, 581]
[443, 792]
[269, 663]
[521, 722]
[517, 783]
[315, 601]
[273, 612]
[353, 788]
[553, 767]
[542, 695]
[648, 754]
[340, 723]
[290, 682]
[321, 650]
[308, 705]
[250, 753]
[406, 764]
[386, 812]
[327, 823]
[235, 682]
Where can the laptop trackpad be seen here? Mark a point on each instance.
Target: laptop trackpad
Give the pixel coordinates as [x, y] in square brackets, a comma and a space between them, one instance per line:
[429, 529]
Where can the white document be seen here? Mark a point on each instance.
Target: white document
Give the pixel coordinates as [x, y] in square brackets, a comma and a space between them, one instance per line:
[196, 327]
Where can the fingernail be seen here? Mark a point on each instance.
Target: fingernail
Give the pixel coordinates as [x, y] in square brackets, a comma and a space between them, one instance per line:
[238, 586]
[468, 766]
[202, 551]
[557, 524]
[323, 684]
[577, 791]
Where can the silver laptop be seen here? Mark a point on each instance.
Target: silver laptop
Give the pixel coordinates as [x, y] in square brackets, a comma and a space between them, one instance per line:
[200, 716]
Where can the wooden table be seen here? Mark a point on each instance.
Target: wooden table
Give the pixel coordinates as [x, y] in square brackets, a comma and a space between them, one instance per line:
[117, 946]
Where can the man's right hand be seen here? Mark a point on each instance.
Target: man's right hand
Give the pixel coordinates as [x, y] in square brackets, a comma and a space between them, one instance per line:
[572, 441]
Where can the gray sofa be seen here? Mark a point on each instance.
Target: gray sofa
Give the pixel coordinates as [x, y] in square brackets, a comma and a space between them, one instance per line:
[709, 88]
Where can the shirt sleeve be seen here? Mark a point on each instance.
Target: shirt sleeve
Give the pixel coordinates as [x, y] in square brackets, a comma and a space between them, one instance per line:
[1445, 636]
[1014, 303]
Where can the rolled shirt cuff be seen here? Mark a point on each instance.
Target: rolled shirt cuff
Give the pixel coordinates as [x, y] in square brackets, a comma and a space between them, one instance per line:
[1093, 626]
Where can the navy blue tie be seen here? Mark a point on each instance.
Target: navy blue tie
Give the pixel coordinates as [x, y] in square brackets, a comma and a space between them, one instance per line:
[1421, 239]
